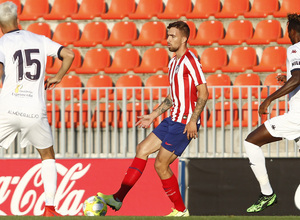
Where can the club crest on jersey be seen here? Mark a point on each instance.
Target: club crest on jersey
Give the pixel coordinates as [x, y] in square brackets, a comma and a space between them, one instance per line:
[294, 51]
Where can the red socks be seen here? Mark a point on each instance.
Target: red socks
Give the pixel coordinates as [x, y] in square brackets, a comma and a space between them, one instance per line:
[172, 190]
[131, 177]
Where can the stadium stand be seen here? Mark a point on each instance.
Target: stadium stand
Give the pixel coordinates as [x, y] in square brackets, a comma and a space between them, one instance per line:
[279, 108]
[93, 33]
[154, 59]
[175, 9]
[217, 80]
[233, 8]
[133, 111]
[270, 84]
[262, 8]
[147, 9]
[61, 9]
[119, 9]
[49, 107]
[237, 32]
[89, 9]
[211, 32]
[285, 39]
[96, 87]
[75, 115]
[265, 32]
[123, 32]
[95, 60]
[213, 59]
[40, 28]
[66, 33]
[152, 32]
[220, 115]
[204, 9]
[33, 10]
[287, 6]
[242, 58]
[244, 121]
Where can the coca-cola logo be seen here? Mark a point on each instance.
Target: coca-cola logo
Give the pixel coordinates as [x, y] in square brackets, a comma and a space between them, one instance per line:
[26, 199]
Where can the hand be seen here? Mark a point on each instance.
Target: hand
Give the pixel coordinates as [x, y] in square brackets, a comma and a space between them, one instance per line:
[191, 130]
[51, 82]
[281, 79]
[263, 108]
[145, 121]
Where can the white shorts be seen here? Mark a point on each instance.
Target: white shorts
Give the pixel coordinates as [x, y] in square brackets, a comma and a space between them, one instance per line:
[36, 132]
[284, 126]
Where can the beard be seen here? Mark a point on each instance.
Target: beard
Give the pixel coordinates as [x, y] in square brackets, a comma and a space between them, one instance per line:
[173, 49]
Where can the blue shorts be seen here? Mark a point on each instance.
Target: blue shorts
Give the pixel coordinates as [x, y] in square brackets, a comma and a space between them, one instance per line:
[171, 135]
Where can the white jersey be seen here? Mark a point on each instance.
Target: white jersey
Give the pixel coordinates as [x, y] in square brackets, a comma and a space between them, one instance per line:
[24, 55]
[293, 63]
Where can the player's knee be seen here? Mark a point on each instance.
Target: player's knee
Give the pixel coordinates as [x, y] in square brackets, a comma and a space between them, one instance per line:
[160, 168]
[141, 152]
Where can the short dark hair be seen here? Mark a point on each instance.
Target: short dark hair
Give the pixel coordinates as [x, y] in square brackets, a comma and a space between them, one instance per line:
[294, 22]
[182, 26]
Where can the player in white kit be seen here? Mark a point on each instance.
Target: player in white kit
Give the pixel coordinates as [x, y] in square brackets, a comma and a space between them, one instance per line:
[23, 58]
[283, 126]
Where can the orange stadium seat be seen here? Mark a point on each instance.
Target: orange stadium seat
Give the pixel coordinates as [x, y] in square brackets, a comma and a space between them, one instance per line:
[49, 107]
[97, 84]
[272, 58]
[280, 110]
[33, 10]
[262, 8]
[285, 39]
[175, 9]
[152, 82]
[95, 60]
[154, 59]
[237, 32]
[18, 4]
[124, 60]
[147, 9]
[57, 63]
[68, 81]
[89, 9]
[245, 79]
[40, 28]
[204, 8]
[123, 83]
[222, 112]
[233, 8]
[265, 32]
[151, 33]
[119, 9]
[75, 112]
[213, 59]
[242, 58]
[209, 32]
[61, 9]
[245, 115]
[139, 111]
[93, 33]
[287, 6]
[122, 33]
[101, 114]
[194, 51]
[66, 33]
[271, 84]
[49, 62]
[217, 80]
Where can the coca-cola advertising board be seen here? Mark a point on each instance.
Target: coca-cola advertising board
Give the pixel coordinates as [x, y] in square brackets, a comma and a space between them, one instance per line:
[22, 192]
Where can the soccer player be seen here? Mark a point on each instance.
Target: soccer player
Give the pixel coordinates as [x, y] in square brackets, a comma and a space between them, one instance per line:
[23, 58]
[276, 128]
[187, 99]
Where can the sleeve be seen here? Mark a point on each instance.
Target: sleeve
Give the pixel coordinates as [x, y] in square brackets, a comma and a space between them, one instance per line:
[293, 56]
[195, 70]
[52, 48]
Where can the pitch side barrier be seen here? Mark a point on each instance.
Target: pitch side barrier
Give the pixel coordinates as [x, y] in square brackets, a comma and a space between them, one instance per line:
[100, 122]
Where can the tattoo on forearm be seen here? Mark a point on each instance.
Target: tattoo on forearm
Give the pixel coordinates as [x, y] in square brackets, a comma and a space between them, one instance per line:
[198, 109]
[164, 106]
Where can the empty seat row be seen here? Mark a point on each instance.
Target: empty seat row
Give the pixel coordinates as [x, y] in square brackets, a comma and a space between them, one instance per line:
[174, 9]
[219, 115]
[122, 33]
[128, 86]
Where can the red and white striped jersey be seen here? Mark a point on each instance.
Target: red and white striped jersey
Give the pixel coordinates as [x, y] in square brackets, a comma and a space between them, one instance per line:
[184, 75]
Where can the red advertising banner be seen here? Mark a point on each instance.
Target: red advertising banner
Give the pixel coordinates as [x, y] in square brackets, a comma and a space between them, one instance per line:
[22, 192]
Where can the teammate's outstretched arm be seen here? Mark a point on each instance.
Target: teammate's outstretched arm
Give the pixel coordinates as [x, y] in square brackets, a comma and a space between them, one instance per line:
[191, 127]
[146, 120]
[67, 56]
[288, 87]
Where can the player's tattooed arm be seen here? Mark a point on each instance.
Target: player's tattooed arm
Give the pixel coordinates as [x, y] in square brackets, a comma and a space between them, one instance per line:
[164, 106]
[201, 102]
